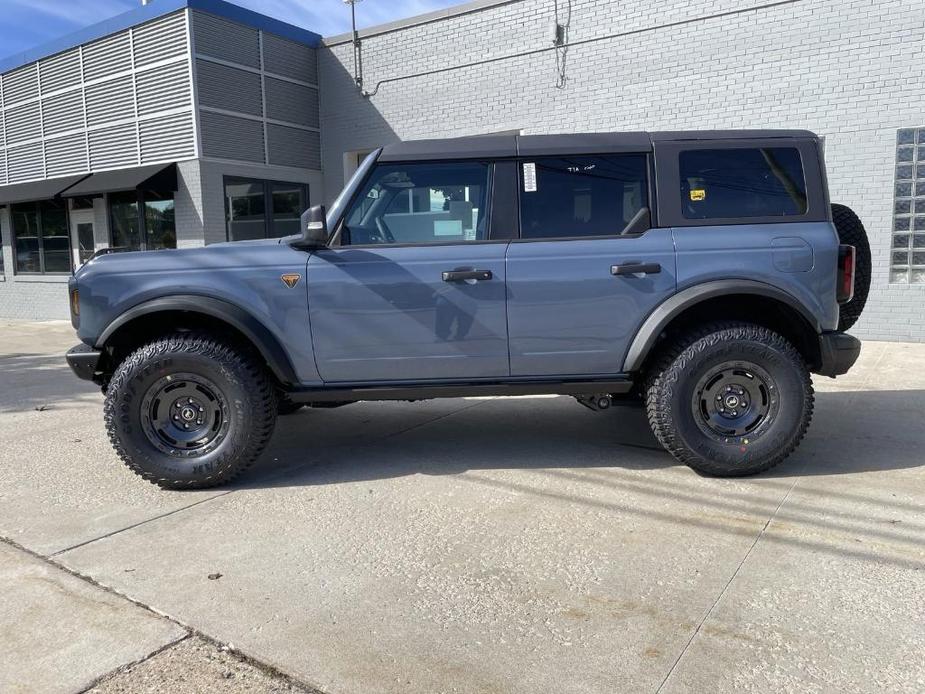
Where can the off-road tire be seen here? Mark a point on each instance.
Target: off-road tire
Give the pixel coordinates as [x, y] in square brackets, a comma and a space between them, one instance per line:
[244, 407]
[851, 231]
[672, 391]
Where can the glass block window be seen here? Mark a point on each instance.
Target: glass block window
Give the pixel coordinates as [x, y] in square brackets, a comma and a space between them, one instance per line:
[907, 259]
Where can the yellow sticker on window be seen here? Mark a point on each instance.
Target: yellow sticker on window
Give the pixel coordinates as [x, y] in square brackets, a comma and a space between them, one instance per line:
[698, 194]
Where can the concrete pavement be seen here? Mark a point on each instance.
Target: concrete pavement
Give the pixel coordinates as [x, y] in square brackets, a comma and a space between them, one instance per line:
[498, 545]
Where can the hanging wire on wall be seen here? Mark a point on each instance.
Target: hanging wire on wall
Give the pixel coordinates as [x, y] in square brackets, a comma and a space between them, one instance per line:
[560, 40]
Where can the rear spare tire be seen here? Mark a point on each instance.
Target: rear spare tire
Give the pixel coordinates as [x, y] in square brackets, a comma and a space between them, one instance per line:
[851, 231]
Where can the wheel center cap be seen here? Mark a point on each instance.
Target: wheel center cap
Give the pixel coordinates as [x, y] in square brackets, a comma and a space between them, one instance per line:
[732, 401]
[188, 414]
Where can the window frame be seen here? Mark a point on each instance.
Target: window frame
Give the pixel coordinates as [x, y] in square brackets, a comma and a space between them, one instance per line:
[142, 221]
[40, 237]
[336, 238]
[267, 185]
[668, 174]
[650, 196]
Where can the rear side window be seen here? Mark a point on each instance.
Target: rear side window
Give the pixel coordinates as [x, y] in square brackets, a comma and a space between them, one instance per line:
[747, 182]
[581, 195]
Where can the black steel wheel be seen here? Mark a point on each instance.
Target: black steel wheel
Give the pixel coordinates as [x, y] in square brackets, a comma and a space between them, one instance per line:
[730, 399]
[190, 411]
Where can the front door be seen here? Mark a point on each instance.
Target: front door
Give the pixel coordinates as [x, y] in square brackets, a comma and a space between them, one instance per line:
[413, 289]
[587, 270]
[82, 244]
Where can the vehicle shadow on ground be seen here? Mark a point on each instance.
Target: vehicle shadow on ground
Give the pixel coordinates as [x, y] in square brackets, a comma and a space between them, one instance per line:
[852, 431]
[29, 381]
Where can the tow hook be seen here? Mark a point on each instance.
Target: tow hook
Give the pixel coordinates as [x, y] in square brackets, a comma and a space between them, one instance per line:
[598, 403]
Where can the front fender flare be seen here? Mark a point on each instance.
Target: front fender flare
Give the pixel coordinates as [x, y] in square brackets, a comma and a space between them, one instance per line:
[672, 307]
[235, 316]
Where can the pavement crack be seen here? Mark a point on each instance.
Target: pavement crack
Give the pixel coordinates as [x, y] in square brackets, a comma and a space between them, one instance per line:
[725, 589]
[138, 661]
[139, 523]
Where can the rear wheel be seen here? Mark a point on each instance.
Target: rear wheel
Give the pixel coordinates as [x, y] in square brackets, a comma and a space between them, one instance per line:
[730, 400]
[189, 411]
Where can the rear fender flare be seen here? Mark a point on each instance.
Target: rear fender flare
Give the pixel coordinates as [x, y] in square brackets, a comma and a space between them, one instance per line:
[675, 305]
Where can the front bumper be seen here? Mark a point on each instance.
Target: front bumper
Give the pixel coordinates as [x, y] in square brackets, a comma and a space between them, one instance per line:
[83, 361]
[838, 353]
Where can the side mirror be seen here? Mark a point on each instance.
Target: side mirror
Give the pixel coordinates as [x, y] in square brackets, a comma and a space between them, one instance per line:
[314, 228]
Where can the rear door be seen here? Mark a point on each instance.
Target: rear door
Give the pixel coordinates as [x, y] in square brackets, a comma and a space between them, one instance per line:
[415, 291]
[587, 268]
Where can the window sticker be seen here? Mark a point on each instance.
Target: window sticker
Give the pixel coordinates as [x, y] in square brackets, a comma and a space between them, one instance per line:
[698, 194]
[529, 177]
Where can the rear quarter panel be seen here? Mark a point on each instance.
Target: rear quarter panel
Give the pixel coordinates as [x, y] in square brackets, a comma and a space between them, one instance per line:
[799, 258]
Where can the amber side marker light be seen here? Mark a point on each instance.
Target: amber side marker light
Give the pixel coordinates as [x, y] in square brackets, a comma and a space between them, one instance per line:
[75, 302]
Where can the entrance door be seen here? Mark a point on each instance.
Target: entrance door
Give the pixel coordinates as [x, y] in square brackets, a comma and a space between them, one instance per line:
[587, 270]
[415, 289]
[82, 244]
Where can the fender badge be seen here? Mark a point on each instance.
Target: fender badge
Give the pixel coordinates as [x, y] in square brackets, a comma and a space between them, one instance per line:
[291, 280]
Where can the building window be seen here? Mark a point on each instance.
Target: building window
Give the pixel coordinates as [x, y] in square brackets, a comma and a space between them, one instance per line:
[579, 196]
[142, 220]
[41, 245]
[907, 260]
[257, 209]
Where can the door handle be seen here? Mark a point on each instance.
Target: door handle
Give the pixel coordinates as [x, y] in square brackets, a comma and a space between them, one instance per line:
[636, 269]
[462, 275]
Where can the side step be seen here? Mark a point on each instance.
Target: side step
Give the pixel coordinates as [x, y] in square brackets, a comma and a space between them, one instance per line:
[426, 391]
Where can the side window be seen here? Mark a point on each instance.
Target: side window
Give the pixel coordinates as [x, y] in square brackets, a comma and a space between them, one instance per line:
[744, 182]
[421, 203]
[581, 195]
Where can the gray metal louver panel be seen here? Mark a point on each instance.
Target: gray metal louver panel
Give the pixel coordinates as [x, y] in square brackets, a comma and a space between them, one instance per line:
[291, 102]
[221, 38]
[228, 88]
[227, 137]
[3, 178]
[109, 101]
[20, 84]
[289, 59]
[62, 112]
[107, 56]
[24, 163]
[161, 39]
[293, 147]
[163, 88]
[113, 147]
[23, 123]
[168, 137]
[66, 155]
[60, 71]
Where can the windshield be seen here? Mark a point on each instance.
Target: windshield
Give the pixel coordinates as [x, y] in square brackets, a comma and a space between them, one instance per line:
[337, 207]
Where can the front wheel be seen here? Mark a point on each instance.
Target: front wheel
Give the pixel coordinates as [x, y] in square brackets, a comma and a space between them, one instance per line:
[730, 400]
[189, 411]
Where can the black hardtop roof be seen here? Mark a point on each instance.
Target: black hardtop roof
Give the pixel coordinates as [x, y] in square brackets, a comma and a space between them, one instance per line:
[482, 146]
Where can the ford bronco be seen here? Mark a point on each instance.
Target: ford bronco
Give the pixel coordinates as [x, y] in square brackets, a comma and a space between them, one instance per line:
[703, 274]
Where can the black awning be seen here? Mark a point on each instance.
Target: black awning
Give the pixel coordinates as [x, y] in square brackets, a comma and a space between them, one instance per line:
[158, 177]
[37, 190]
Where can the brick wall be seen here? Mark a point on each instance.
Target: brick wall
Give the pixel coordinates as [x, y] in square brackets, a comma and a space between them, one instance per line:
[852, 71]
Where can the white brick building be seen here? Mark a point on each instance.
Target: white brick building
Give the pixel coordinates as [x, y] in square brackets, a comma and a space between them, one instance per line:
[854, 72]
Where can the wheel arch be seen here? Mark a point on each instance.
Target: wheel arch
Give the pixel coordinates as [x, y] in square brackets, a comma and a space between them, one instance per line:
[728, 299]
[190, 312]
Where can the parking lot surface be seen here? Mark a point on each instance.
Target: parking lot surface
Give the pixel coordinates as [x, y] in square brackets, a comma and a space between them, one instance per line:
[469, 545]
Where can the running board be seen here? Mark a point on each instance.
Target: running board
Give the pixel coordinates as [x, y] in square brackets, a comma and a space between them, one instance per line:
[458, 390]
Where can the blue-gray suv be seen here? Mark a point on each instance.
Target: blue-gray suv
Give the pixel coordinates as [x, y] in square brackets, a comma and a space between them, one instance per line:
[702, 274]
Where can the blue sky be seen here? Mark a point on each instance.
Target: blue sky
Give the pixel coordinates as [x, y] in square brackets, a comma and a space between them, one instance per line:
[25, 24]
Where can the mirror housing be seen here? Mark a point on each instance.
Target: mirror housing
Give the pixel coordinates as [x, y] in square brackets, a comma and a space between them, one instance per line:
[314, 228]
